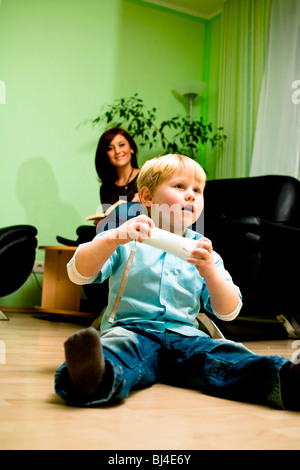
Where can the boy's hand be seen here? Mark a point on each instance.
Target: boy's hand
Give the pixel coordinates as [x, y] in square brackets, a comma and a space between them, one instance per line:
[223, 295]
[203, 258]
[138, 228]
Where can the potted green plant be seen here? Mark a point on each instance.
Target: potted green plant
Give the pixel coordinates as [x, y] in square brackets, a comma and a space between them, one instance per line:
[175, 135]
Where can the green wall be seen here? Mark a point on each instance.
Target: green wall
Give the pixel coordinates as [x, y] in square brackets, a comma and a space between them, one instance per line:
[62, 62]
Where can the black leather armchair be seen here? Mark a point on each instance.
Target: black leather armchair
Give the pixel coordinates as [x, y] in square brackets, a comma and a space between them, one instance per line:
[17, 254]
[254, 224]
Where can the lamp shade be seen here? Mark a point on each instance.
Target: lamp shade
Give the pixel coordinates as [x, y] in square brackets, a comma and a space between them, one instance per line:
[191, 87]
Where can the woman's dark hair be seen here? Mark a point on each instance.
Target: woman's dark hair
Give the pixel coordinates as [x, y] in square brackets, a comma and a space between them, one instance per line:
[105, 170]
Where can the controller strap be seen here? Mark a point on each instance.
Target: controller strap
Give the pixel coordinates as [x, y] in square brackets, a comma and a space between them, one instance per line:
[123, 283]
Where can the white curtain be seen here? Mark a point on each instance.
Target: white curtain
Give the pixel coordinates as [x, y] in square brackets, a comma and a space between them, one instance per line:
[245, 31]
[277, 136]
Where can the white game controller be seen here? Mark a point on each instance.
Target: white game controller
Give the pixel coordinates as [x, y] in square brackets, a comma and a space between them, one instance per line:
[172, 243]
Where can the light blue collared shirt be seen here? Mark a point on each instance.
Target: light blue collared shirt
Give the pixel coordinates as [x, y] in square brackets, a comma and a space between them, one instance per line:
[163, 292]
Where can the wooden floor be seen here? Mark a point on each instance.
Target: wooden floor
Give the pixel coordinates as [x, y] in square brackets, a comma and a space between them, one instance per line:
[158, 418]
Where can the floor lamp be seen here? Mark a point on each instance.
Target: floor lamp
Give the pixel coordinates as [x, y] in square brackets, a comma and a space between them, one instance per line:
[190, 89]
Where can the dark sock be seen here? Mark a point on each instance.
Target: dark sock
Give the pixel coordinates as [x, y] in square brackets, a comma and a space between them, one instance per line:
[290, 386]
[85, 361]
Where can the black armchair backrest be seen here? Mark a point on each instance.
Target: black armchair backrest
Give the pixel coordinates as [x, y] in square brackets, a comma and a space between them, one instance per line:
[17, 254]
[274, 198]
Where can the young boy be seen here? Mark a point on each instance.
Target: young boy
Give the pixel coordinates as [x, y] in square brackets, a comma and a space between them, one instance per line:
[154, 335]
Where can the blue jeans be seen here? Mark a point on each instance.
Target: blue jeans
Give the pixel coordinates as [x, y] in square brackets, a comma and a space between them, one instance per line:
[137, 358]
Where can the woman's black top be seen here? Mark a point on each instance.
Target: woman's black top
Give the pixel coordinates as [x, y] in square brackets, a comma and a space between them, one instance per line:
[111, 193]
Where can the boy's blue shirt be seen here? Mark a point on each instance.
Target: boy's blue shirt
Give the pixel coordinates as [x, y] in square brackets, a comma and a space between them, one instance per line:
[163, 292]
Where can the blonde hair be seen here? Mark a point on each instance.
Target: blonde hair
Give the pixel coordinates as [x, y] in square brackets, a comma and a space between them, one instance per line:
[157, 170]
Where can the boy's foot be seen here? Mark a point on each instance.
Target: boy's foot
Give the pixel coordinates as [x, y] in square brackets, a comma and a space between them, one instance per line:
[85, 361]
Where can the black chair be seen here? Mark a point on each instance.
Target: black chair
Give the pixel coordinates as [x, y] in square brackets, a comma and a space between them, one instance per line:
[85, 233]
[17, 254]
[254, 224]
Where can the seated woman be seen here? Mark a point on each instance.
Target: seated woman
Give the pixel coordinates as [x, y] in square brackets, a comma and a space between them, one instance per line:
[116, 166]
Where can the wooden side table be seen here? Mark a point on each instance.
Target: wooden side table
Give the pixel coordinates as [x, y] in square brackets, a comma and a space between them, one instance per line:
[59, 294]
